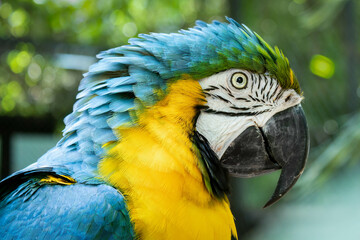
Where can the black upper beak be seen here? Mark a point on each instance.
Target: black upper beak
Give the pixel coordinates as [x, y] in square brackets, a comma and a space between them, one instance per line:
[282, 143]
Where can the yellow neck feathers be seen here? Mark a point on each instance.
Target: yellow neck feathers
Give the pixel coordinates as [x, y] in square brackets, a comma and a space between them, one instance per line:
[156, 167]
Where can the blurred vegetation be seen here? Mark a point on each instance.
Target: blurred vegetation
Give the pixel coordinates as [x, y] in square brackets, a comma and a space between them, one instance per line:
[45, 46]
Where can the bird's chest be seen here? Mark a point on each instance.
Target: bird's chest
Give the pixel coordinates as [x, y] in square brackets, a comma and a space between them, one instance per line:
[160, 219]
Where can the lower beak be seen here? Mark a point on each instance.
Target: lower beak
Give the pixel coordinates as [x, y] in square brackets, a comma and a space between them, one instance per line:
[282, 143]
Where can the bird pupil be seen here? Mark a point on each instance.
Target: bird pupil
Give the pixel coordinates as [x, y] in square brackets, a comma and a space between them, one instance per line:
[240, 80]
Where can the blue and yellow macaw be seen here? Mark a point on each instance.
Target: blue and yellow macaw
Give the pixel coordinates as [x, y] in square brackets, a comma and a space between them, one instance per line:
[157, 126]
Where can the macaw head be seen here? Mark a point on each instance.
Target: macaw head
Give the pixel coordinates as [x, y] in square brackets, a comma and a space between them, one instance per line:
[255, 126]
[251, 121]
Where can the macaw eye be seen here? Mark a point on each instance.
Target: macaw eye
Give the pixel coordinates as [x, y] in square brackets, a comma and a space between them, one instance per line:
[239, 80]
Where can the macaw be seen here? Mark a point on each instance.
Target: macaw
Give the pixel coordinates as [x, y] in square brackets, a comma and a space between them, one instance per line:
[157, 127]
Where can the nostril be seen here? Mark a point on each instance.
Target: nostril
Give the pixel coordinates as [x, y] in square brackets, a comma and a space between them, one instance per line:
[288, 98]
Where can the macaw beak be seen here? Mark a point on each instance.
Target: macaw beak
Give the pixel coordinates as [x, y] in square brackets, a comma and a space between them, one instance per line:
[283, 143]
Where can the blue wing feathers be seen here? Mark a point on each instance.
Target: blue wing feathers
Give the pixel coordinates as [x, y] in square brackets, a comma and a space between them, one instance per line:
[119, 81]
[75, 211]
[96, 112]
[118, 119]
[103, 135]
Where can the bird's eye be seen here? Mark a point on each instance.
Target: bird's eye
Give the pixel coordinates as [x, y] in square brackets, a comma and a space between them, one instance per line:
[239, 80]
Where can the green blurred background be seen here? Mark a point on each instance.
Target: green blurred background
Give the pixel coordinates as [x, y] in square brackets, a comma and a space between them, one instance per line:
[46, 46]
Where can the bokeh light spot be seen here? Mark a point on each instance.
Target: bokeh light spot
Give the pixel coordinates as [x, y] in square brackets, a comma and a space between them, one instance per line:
[11, 60]
[18, 18]
[331, 127]
[18, 60]
[23, 59]
[322, 66]
[5, 10]
[129, 29]
[8, 103]
[14, 89]
[34, 71]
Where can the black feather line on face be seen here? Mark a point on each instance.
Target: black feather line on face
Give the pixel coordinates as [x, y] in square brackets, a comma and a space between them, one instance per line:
[219, 180]
[227, 90]
[267, 94]
[273, 94]
[279, 95]
[210, 88]
[242, 99]
[208, 110]
[252, 82]
[240, 108]
[265, 85]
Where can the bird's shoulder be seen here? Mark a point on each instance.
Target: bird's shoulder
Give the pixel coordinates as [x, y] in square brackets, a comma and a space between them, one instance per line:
[41, 204]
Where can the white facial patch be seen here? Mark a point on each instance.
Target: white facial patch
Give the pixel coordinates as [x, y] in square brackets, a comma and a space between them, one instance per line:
[231, 110]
